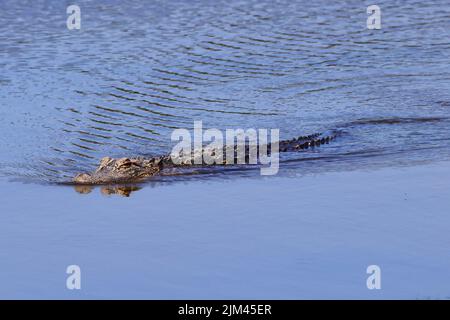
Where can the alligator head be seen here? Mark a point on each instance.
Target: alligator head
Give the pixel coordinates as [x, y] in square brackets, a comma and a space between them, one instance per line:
[123, 170]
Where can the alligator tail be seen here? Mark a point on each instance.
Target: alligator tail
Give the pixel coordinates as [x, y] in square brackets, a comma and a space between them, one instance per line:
[306, 142]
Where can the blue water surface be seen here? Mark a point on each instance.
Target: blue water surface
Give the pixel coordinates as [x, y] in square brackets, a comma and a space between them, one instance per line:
[137, 70]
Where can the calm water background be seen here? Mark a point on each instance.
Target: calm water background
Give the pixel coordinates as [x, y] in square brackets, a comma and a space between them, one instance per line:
[137, 70]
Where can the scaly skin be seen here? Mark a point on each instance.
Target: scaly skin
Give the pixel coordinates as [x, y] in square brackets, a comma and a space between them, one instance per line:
[132, 170]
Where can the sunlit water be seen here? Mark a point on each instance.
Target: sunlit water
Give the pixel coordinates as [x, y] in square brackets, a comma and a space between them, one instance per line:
[137, 70]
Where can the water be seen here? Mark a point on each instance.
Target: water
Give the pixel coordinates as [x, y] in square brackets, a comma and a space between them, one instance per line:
[137, 70]
[272, 238]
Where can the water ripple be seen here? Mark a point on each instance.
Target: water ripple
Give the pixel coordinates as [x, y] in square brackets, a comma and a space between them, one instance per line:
[139, 70]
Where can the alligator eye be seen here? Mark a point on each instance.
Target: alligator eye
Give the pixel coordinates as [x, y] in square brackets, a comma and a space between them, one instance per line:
[123, 163]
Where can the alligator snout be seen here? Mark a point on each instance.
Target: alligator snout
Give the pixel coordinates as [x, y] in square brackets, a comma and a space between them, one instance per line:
[83, 178]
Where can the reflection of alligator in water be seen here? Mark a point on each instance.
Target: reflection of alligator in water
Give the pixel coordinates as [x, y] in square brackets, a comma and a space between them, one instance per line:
[123, 190]
[132, 170]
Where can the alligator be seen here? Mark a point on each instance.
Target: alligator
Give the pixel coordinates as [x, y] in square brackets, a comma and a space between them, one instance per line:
[134, 170]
